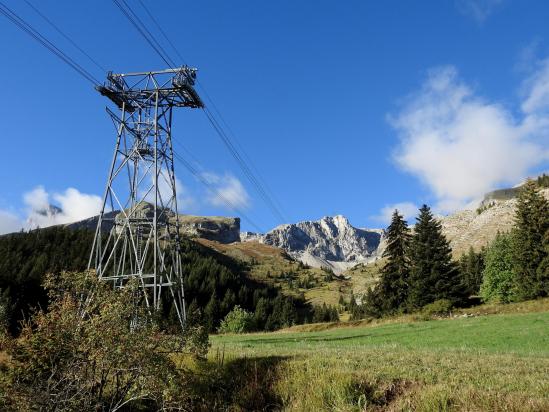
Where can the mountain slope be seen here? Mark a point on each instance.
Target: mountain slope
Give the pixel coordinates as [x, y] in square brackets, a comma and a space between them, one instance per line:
[221, 229]
[273, 266]
[329, 242]
[478, 228]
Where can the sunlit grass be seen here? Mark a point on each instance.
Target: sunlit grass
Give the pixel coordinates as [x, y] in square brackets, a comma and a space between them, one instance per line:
[496, 362]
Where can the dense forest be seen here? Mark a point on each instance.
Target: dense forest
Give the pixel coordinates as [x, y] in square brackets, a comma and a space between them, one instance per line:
[214, 283]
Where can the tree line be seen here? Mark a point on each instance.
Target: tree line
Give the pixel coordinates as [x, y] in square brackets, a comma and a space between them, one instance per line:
[419, 269]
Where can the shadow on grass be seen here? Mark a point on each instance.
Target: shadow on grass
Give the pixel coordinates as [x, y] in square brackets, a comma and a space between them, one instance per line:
[331, 338]
[244, 384]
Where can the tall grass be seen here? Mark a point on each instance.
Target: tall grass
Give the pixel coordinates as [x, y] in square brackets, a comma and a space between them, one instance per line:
[498, 362]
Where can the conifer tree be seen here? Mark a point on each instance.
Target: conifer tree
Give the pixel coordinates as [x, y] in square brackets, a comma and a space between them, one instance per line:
[212, 312]
[531, 226]
[471, 266]
[543, 268]
[391, 292]
[433, 274]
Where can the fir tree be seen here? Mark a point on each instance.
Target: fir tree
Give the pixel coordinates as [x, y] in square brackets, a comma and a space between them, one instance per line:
[212, 312]
[433, 274]
[471, 266]
[391, 292]
[531, 226]
[543, 268]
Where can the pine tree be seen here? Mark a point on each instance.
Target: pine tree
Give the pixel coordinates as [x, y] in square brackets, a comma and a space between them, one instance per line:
[433, 274]
[531, 226]
[543, 268]
[471, 266]
[212, 312]
[391, 292]
[261, 313]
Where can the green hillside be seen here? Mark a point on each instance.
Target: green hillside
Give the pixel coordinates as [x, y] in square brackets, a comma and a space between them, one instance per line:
[272, 266]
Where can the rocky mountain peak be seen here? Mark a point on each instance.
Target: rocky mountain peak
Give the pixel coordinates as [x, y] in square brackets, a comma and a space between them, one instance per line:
[331, 241]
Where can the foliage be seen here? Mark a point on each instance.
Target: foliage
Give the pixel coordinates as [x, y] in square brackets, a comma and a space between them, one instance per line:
[391, 293]
[471, 266]
[433, 274]
[196, 337]
[543, 180]
[418, 271]
[97, 353]
[368, 306]
[499, 278]
[237, 320]
[529, 235]
[543, 268]
[25, 258]
[325, 313]
[214, 282]
[438, 307]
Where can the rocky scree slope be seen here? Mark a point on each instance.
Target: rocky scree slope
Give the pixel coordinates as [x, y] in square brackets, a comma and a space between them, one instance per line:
[477, 228]
[330, 242]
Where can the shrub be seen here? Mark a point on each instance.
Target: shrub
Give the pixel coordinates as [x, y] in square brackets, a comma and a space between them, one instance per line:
[438, 307]
[237, 320]
[103, 353]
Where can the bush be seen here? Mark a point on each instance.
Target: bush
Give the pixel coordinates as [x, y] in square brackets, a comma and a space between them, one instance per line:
[438, 308]
[101, 353]
[237, 320]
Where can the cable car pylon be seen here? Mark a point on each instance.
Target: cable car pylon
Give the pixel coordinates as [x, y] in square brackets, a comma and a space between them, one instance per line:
[137, 234]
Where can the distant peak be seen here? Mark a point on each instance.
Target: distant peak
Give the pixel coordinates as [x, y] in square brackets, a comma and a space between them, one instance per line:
[336, 218]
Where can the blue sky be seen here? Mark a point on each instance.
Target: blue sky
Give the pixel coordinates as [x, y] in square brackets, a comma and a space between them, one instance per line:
[344, 107]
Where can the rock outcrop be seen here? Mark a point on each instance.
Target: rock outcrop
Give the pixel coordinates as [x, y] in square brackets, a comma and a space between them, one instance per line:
[331, 241]
[220, 229]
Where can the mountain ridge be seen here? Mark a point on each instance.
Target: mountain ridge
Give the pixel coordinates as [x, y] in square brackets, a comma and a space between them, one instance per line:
[330, 242]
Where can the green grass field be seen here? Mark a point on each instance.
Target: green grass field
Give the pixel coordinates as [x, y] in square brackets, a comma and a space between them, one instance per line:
[495, 362]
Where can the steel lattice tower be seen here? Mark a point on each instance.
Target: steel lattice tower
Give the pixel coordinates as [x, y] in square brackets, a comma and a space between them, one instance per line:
[137, 234]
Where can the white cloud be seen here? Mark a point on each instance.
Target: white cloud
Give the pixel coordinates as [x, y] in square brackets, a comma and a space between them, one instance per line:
[461, 145]
[37, 199]
[407, 209]
[479, 10]
[536, 90]
[76, 206]
[9, 222]
[73, 206]
[227, 191]
[185, 201]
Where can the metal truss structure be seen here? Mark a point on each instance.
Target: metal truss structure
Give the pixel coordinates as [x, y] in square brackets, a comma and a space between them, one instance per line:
[137, 235]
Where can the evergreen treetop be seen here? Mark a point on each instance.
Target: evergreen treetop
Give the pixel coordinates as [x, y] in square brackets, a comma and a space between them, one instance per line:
[433, 274]
[391, 292]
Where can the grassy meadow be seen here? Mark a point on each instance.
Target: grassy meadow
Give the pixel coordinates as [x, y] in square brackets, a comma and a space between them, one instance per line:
[470, 362]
